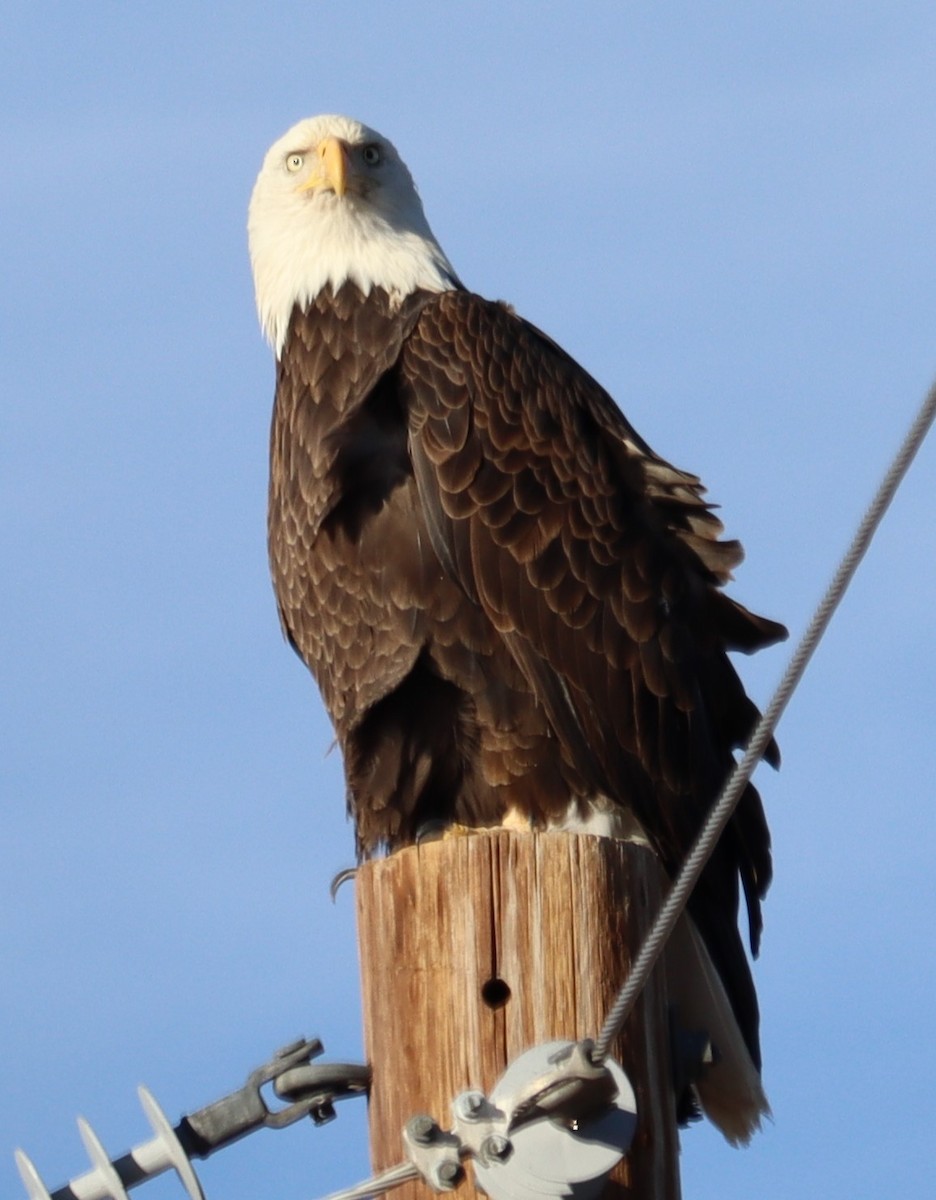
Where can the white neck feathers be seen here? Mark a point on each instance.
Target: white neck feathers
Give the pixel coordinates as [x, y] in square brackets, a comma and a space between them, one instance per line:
[299, 244]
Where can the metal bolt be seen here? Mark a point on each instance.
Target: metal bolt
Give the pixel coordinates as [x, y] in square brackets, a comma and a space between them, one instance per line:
[323, 1113]
[447, 1173]
[469, 1105]
[496, 1148]
[422, 1130]
[315, 1048]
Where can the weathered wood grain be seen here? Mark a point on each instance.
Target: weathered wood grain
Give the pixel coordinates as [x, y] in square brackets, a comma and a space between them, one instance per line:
[475, 948]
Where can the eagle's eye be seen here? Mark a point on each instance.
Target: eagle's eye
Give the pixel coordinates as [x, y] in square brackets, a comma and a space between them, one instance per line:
[371, 154]
[294, 163]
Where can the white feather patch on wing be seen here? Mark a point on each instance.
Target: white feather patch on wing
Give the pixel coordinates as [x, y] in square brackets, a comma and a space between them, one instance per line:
[730, 1091]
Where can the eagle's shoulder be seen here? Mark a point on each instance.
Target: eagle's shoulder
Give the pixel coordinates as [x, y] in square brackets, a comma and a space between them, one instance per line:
[494, 389]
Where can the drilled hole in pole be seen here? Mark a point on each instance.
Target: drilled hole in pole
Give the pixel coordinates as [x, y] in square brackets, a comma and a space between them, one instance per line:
[495, 993]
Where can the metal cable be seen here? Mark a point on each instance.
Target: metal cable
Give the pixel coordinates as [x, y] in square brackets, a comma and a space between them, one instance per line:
[375, 1186]
[721, 813]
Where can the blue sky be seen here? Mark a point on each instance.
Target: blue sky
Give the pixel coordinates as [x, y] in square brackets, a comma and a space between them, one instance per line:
[725, 212]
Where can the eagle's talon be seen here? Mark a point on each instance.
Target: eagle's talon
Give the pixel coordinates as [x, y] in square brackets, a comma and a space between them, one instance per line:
[431, 831]
[342, 877]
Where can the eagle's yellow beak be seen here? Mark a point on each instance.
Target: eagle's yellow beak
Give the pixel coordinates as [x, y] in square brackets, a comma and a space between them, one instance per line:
[332, 169]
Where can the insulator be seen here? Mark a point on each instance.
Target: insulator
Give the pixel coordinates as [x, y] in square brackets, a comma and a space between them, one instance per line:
[109, 1183]
[32, 1181]
[310, 1090]
[110, 1180]
[175, 1156]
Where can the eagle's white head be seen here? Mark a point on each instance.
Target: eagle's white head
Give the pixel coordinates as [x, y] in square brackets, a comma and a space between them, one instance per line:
[334, 203]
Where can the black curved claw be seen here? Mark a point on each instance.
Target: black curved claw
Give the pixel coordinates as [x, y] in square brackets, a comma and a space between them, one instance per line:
[431, 831]
[339, 879]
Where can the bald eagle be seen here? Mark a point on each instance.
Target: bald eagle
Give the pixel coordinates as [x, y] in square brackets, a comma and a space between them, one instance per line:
[512, 605]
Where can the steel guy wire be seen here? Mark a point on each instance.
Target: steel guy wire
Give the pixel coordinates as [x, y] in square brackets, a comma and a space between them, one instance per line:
[721, 813]
[391, 1178]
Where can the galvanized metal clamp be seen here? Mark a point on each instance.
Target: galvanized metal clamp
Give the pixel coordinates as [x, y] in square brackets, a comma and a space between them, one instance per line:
[555, 1125]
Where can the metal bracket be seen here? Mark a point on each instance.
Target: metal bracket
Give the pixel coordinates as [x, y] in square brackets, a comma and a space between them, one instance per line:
[310, 1090]
[554, 1126]
[481, 1127]
[568, 1123]
[434, 1153]
[570, 1090]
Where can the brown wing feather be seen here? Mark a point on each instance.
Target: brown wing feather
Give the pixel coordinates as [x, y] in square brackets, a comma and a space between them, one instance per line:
[600, 565]
[506, 598]
[435, 719]
[321, 388]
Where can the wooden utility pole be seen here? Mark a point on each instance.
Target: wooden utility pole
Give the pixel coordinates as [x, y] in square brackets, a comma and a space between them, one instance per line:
[476, 948]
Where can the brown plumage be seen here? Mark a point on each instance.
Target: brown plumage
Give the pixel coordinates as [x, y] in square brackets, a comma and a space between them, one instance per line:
[509, 602]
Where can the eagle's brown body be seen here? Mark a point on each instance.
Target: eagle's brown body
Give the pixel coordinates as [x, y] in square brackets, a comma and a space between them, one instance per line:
[508, 601]
[512, 606]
